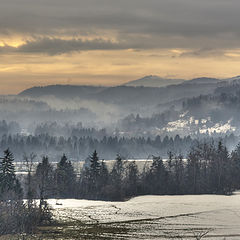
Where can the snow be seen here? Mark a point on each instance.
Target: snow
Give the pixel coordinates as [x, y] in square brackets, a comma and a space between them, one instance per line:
[190, 124]
[219, 128]
[178, 125]
[220, 215]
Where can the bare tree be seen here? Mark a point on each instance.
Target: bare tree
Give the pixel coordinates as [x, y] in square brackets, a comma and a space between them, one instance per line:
[29, 164]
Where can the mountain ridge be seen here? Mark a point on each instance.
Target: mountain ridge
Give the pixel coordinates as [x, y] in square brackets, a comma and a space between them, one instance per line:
[153, 81]
[131, 95]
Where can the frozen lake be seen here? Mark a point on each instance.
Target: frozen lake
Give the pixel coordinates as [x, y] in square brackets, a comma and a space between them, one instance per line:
[160, 217]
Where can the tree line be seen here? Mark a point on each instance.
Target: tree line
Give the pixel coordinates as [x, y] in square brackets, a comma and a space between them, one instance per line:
[78, 148]
[209, 169]
[17, 215]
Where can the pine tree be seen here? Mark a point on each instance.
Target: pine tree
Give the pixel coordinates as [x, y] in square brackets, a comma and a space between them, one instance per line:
[178, 175]
[235, 167]
[222, 169]
[9, 185]
[193, 172]
[158, 176]
[103, 180]
[116, 179]
[94, 171]
[94, 165]
[104, 174]
[132, 178]
[29, 163]
[45, 180]
[65, 178]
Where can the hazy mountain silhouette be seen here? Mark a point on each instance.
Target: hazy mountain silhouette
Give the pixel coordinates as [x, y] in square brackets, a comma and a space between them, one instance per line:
[203, 80]
[129, 95]
[153, 81]
[62, 91]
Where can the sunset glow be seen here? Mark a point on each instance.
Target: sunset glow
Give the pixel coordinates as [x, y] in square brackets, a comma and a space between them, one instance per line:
[109, 43]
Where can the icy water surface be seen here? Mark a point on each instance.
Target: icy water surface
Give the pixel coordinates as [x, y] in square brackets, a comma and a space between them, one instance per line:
[159, 217]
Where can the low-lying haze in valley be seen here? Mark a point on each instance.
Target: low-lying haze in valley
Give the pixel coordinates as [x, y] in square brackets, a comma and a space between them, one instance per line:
[201, 108]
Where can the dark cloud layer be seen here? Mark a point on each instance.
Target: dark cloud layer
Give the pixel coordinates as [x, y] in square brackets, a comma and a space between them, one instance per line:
[53, 46]
[135, 23]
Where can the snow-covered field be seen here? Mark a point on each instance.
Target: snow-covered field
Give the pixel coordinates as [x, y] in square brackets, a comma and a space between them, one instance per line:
[160, 217]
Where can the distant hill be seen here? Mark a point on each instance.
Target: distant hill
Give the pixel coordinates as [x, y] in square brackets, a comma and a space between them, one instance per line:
[153, 81]
[206, 80]
[124, 95]
[203, 80]
[62, 91]
[233, 79]
[135, 96]
[221, 105]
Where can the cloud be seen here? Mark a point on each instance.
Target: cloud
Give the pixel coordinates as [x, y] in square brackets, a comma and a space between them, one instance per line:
[136, 23]
[204, 53]
[7, 49]
[55, 46]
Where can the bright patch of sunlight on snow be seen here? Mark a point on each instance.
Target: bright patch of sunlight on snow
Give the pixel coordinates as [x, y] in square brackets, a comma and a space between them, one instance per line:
[219, 128]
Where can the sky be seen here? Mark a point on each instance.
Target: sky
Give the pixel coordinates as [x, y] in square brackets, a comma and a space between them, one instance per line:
[109, 42]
